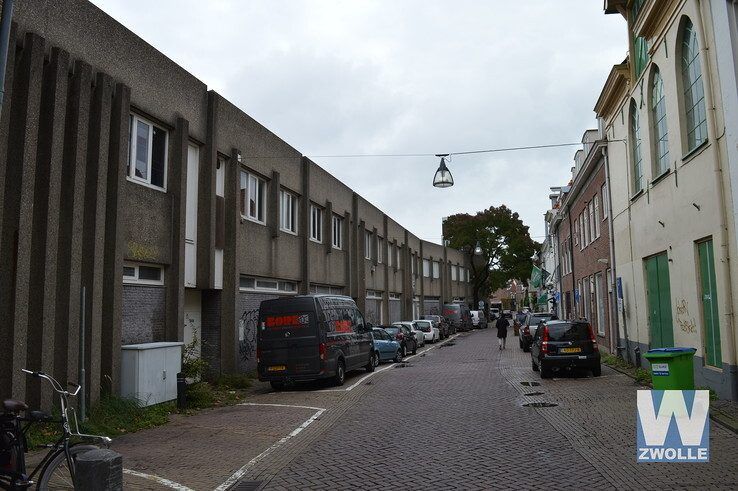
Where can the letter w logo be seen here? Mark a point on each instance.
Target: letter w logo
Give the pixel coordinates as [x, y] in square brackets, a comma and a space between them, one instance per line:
[654, 419]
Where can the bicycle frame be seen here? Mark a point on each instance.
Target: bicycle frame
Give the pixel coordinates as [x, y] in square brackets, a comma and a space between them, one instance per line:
[17, 478]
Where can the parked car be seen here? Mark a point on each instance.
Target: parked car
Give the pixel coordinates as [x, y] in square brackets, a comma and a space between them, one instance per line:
[563, 345]
[432, 334]
[441, 323]
[419, 335]
[529, 328]
[458, 316]
[479, 320]
[403, 335]
[385, 347]
[309, 337]
[518, 322]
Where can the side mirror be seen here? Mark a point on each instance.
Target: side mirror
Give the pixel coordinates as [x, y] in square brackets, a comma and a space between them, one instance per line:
[368, 326]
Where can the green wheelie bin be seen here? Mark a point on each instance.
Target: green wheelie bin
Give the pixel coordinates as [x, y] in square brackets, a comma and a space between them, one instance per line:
[671, 368]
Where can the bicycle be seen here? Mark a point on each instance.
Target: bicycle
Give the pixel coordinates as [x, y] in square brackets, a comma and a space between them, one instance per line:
[56, 470]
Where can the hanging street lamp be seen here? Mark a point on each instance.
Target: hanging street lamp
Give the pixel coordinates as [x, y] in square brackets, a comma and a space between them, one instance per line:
[443, 177]
[478, 249]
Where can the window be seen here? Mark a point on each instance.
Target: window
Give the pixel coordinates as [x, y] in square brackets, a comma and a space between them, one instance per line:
[576, 231]
[597, 219]
[380, 249]
[390, 254]
[326, 289]
[412, 264]
[394, 296]
[316, 223]
[367, 244]
[147, 153]
[374, 294]
[436, 269]
[605, 202]
[635, 146]
[143, 274]
[337, 232]
[247, 283]
[288, 220]
[660, 132]
[694, 94]
[585, 228]
[454, 272]
[253, 197]
[640, 47]
[426, 268]
[592, 222]
[398, 264]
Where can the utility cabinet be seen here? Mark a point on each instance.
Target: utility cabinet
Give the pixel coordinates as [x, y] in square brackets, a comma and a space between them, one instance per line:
[149, 371]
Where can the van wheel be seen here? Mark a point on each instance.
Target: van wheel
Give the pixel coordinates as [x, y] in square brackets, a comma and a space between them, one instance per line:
[398, 357]
[545, 373]
[404, 351]
[534, 366]
[277, 385]
[415, 349]
[340, 376]
[373, 362]
[596, 371]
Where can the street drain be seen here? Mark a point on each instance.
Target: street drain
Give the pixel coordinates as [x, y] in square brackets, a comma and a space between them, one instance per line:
[539, 404]
[402, 365]
[246, 486]
[446, 345]
[534, 394]
[531, 384]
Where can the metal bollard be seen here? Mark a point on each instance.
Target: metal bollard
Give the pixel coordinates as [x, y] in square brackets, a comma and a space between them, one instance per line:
[99, 469]
[181, 391]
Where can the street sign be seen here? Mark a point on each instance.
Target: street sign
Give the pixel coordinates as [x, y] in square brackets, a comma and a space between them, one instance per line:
[481, 304]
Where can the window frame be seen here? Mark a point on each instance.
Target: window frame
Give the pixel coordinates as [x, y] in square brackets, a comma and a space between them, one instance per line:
[380, 249]
[436, 269]
[261, 201]
[426, 271]
[597, 219]
[368, 244]
[132, 147]
[337, 232]
[256, 288]
[659, 124]
[136, 280]
[698, 82]
[316, 223]
[636, 154]
[293, 211]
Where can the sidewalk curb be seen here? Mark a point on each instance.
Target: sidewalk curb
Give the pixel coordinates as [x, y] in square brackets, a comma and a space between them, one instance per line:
[716, 415]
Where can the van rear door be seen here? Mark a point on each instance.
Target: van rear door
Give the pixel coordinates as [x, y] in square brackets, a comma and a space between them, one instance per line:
[289, 344]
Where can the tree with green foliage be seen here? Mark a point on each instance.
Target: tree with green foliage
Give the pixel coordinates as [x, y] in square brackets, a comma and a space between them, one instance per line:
[505, 243]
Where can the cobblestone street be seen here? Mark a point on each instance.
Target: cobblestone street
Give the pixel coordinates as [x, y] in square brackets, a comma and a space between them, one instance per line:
[450, 418]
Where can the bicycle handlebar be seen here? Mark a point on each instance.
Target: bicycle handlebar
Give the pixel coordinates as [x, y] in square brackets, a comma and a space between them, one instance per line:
[54, 384]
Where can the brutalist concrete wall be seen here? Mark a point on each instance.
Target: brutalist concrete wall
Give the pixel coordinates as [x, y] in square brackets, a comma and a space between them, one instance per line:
[144, 314]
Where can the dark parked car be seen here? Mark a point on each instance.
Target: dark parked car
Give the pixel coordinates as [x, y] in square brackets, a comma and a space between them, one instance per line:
[530, 325]
[404, 336]
[442, 324]
[311, 337]
[458, 315]
[563, 345]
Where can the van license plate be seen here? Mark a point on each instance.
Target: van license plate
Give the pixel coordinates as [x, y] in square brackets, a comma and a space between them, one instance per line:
[277, 368]
[571, 350]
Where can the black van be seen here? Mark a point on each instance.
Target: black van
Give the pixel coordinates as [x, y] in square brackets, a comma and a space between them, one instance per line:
[310, 337]
[458, 315]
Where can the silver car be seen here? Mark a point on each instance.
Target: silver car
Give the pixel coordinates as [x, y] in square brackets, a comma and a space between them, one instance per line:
[430, 331]
[419, 335]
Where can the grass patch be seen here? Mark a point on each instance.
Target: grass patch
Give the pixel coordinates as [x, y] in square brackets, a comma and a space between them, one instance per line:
[641, 375]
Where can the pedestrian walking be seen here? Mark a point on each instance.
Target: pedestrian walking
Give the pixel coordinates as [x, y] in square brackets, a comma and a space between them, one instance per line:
[502, 325]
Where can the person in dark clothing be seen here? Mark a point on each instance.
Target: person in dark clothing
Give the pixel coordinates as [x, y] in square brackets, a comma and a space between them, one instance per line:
[502, 325]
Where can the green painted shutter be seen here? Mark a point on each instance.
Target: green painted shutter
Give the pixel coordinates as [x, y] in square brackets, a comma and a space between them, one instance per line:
[652, 295]
[710, 317]
[667, 326]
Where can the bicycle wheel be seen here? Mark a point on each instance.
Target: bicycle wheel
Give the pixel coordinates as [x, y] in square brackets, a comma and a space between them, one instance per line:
[56, 476]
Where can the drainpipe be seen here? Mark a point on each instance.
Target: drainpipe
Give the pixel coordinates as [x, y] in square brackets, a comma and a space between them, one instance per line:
[5, 21]
[573, 315]
[724, 243]
[614, 340]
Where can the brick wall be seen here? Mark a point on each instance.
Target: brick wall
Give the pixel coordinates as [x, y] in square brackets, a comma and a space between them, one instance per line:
[211, 329]
[144, 314]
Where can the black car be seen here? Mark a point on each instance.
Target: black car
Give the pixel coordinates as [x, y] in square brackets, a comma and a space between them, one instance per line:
[444, 328]
[532, 320]
[310, 337]
[404, 336]
[564, 345]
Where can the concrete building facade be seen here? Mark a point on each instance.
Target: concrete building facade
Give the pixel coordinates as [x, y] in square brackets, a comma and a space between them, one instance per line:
[667, 113]
[176, 211]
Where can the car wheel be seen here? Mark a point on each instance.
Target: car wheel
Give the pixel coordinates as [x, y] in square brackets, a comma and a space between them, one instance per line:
[545, 373]
[277, 385]
[526, 347]
[415, 348]
[534, 366]
[404, 351]
[373, 362]
[520, 342]
[597, 371]
[340, 376]
[398, 357]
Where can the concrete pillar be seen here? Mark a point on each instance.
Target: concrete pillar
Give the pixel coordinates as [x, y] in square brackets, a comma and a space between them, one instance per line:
[356, 241]
[385, 253]
[229, 315]
[18, 201]
[206, 199]
[361, 262]
[113, 256]
[94, 227]
[69, 267]
[42, 341]
[304, 217]
[177, 189]
[99, 469]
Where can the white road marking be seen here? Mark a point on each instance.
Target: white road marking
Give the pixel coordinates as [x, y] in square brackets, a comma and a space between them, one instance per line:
[243, 470]
[160, 480]
[358, 382]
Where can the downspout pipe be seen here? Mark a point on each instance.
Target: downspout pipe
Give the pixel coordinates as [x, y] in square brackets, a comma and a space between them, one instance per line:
[719, 178]
[614, 331]
[5, 21]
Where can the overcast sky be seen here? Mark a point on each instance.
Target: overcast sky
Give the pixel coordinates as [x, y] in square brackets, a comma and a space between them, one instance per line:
[405, 76]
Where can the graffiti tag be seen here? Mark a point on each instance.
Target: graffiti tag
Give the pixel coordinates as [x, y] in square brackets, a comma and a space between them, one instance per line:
[685, 321]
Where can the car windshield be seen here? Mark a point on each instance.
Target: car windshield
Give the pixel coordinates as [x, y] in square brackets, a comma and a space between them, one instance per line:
[422, 324]
[535, 319]
[568, 331]
[392, 330]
